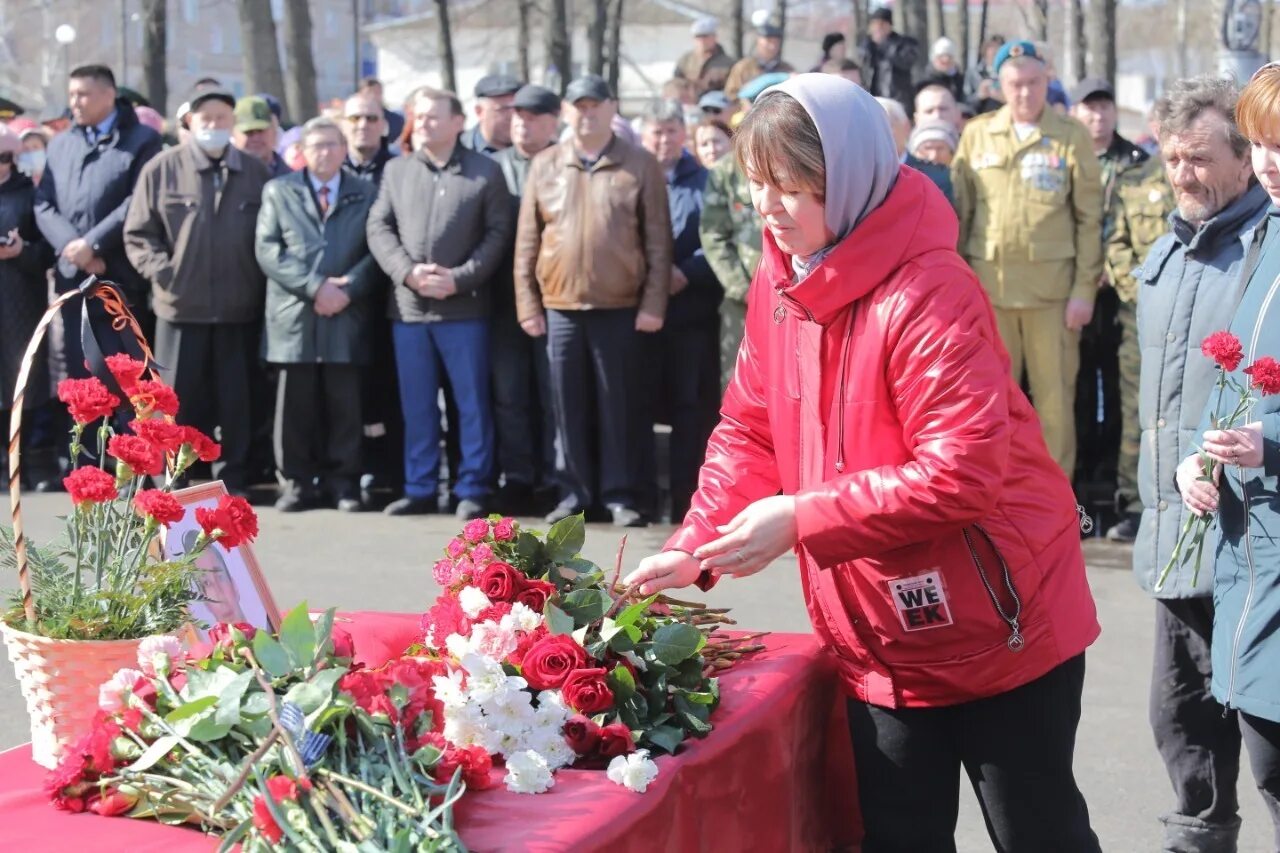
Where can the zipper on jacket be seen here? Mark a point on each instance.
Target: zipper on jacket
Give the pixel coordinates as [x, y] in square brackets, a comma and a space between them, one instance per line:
[1016, 642]
[844, 367]
[1244, 500]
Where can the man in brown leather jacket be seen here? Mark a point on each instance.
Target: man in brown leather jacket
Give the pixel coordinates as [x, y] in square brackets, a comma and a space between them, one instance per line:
[593, 269]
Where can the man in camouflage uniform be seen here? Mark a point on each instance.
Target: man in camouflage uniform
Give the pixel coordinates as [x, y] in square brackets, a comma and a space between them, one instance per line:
[731, 242]
[1136, 199]
[1029, 198]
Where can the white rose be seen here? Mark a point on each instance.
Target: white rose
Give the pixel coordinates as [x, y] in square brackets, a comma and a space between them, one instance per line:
[528, 773]
[473, 601]
[634, 771]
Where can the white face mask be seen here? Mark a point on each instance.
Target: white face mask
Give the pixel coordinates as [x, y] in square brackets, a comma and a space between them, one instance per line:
[31, 162]
[213, 140]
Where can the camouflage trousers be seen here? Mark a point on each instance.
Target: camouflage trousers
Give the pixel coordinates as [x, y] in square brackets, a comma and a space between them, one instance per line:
[1127, 500]
[733, 321]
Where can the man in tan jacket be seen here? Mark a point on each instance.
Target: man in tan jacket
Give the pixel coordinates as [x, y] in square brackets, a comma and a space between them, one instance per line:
[1028, 192]
[592, 270]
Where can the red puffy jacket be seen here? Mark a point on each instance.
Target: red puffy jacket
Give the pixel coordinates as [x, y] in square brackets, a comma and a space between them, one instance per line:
[931, 518]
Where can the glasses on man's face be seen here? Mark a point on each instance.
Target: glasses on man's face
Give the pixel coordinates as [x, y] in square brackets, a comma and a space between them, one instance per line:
[6, 158]
[711, 111]
[362, 117]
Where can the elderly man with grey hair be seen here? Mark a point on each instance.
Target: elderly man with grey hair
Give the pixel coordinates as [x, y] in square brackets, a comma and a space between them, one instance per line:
[311, 244]
[1188, 287]
[682, 379]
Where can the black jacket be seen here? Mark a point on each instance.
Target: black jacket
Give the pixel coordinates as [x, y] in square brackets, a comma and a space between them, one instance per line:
[699, 303]
[85, 192]
[371, 170]
[888, 69]
[23, 284]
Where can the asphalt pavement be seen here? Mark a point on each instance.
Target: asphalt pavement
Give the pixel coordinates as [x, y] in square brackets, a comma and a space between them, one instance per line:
[374, 562]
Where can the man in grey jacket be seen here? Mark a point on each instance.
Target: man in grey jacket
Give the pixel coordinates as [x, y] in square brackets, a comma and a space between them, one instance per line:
[320, 278]
[1188, 288]
[440, 227]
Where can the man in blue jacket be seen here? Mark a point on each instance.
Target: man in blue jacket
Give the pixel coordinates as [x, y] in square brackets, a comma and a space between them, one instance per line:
[682, 382]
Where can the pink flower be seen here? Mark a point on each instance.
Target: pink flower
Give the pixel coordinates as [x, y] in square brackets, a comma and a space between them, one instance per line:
[476, 530]
[113, 695]
[442, 571]
[456, 548]
[156, 655]
[481, 555]
[505, 530]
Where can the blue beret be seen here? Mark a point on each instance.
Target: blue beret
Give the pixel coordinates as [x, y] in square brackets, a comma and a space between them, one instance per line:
[1014, 49]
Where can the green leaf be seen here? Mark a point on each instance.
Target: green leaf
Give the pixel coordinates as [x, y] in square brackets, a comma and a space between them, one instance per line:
[608, 628]
[298, 636]
[326, 679]
[271, 655]
[229, 699]
[624, 641]
[307, 696]
[621, 682]
[631, 613]
[586, 605]
[255, 704]
[190, 709]
[676, 642]
[566, 538]
[694, 718]
[528, 548]
[154, 753]
[558, 622]
[579, 567]
[324, 628]
[665, 738]
[207, 728]
[699, 698]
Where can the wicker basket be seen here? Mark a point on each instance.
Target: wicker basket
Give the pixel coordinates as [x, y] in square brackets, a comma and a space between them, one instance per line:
[60, 681]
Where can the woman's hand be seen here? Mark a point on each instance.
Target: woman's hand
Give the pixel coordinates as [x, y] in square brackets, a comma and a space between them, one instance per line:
[667, 570]
[13, 248]
[1240, 446]
[1200, 496]
[760, 534]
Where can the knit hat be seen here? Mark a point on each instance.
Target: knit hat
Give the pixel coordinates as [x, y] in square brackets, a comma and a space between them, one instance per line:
[934, 130]
[943, 47]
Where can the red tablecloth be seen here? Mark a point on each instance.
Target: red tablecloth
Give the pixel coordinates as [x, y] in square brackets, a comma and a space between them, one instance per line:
[776, 774]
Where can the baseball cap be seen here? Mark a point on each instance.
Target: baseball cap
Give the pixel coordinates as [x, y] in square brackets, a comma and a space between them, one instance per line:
[537, 99]
[704, 26]
[882, 14]
[210, 93]
[252, 113]
[1013, 50]
[273, 102]
[714, 100]
[497, 86]
[590, 86]
[769, 31]
[1091, 87]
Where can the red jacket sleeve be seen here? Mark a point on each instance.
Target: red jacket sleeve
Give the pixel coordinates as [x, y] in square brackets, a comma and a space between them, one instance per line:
[740, 466]
[949, 380]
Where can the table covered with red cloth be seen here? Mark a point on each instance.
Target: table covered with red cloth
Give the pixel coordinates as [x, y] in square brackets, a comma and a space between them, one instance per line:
[775, 774]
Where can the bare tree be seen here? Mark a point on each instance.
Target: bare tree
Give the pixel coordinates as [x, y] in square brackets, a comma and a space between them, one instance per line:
[916, 25]
[615, 44]
[782, 18]
[596, 27]
[962, 33]
[937, 21]
[1078, 47]
[444, 33]
[1035, 16]
[300, 84]
[739, 27]
[1102, 39]
[261, 58]
[857, 23]
[558, 45]
[524, 9]
[155, 41]
[982, 24]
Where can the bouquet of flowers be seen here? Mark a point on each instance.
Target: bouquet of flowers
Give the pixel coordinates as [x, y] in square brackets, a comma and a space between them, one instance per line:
[549, 665]
[1264, 378]
[104, 581]
[274, 741]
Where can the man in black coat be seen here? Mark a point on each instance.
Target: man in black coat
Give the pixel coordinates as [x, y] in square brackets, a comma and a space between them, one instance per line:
[888, 60]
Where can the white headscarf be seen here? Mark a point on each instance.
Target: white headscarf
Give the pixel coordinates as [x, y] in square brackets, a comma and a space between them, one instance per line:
[857, 145]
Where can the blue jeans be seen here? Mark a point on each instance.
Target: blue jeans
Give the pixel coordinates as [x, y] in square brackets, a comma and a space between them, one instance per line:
[462, 347]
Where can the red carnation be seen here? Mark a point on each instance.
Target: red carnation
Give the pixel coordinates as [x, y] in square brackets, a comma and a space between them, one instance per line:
[87, 399]
[169, 437]
[1264, 374]
[500, 582]
[1224, 348]
[587, 692]
[205, 448]
[141, 456]
[161, 506]
[152, 397]
[473, 760]
[127, 370]
[582, 734]
[551, 660]
[615, 740]
[232, 522]
[90, 485]
[280, 789]
[534, 594]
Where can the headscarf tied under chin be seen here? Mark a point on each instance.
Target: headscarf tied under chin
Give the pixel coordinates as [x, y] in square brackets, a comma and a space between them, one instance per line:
[857, 145]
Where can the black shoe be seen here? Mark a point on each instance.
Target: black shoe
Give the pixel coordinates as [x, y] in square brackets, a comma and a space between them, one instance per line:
[411, 506]
[1126, 530]
[625, 516]
[515, 499]
[469, 510]
[564, 510]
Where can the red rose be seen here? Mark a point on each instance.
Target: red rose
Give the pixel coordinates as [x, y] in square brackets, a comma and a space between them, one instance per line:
[141, 456]
[127, 370]
[169, 437]
[113, 803]
[231, 523]
[500, 582]
[582, 734]
[343, 645]
[87, 399]
[505, 530]
[1264, 374]
[586, 691]
[527, 641]
[534, 594]
[205, 448]
[1224, 348]
[615, 740]
[476, 530]
[152, 397]
[90, 485]
[551, 660]
[161, 506]
[220, 634]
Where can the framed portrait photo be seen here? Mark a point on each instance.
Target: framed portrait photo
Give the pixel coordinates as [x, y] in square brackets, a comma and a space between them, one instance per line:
[230, 581]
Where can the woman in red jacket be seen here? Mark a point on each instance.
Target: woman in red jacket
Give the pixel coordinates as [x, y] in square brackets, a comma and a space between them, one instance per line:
[873, 425]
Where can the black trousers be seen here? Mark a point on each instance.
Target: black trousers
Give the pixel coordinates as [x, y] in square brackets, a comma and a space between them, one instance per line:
[1200, 744]
[1262, 741]
[524, 425]
[384, 423]
[318, 426]
[1017, 749]
[210, 366]
[593, 385]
